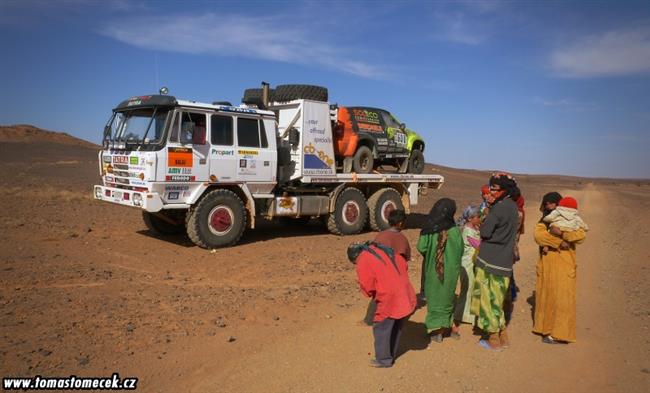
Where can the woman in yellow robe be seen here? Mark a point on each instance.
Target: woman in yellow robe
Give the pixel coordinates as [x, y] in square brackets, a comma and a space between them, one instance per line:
[555, 290]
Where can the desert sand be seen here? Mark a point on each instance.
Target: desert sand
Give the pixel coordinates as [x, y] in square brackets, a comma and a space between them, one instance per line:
[86, 289]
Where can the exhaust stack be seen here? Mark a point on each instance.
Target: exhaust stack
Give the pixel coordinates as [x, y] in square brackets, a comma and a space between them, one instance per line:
[265, 94]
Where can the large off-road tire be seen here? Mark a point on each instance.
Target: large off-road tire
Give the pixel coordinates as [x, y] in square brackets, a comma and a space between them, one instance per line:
[416, 162]
[218, 220]
[350, 213]
[380, 204]
[295, 92]
[254, 96]
[157, 224]
[363, 161]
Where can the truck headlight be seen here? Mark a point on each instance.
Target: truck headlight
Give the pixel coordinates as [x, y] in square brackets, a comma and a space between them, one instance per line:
[98, 193]
[137, 199]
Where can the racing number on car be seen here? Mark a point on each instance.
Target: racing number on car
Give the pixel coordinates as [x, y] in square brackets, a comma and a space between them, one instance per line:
[400, 139]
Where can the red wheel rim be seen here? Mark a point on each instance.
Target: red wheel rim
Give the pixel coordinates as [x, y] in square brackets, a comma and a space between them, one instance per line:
[220, 220]
[351, 213]
[388, 207]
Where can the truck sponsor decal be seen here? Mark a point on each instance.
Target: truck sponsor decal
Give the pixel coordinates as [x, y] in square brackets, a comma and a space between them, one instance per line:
[107, 159]
[237, 109]
[179, 178]
[247, 167]
[177, 188]
[248, 152]
[180, 171]
[172, 195]
[216, 152]
[286, 206]
[179, 156]
[317, 160]
[120, 159]
[133, 160]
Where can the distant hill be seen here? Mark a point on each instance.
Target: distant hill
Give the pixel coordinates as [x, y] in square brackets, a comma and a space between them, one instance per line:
[24, 133]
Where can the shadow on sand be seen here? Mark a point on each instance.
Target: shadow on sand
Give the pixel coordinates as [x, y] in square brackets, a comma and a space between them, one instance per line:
[414, 338]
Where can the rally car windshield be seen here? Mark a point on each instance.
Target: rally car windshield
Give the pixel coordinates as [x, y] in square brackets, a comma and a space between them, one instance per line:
[144, 126]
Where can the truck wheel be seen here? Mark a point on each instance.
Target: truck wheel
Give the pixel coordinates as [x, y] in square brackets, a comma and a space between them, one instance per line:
[218, 220]
[159, 225]
[416, 162]
[350, 213]
[363, 162]
[380, 204]
[254, 96]
[296, 92]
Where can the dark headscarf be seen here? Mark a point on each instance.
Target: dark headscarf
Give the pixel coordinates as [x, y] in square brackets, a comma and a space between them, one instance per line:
[441, 218]
[551, 197]
[507, 183]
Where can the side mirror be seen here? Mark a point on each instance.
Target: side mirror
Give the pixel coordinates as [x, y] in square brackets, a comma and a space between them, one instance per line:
[402, 126]
[294, 137]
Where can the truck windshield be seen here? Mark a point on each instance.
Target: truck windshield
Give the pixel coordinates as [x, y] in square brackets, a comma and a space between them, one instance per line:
[139, 126]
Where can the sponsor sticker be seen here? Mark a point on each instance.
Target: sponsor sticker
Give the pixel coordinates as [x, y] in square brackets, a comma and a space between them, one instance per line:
[370, 127]
[179, 178]
[248, 152]
[219, 152]
[120, 159]
[172, 195]
[179, 156]
[134, 160]
[107, 159]
[180, 171]
[176, 187]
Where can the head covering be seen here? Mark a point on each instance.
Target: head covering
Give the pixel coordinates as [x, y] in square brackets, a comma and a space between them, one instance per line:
[568, 202]
[469, 212]
[506, 182]
[441, 217]
[355, 249]
[485, 189]
[551, 197]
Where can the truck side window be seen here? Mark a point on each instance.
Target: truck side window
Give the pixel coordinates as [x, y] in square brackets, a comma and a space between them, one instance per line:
[193, 128]
[248, 133]
[173, 135]
[221, 133]
[265, 141]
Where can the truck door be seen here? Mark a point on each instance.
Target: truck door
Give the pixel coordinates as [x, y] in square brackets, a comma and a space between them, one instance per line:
[187, 150]
[223, 157]
[256, 159]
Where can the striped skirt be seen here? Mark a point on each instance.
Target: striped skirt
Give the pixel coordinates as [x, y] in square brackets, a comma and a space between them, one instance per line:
[487, 300]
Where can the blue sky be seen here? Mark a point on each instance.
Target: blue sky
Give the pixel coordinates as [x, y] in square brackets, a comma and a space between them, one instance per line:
[528, 86]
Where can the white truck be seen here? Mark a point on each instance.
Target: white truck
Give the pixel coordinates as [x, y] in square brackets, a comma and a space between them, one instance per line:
[212, 170]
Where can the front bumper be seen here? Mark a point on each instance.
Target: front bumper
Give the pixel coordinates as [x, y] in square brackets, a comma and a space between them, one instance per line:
[149, 201]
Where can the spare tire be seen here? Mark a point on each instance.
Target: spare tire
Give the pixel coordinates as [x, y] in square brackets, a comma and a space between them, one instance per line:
[254, 96]
[297, 92]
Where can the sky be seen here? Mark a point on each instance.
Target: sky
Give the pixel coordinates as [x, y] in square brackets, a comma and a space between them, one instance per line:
[552, 87]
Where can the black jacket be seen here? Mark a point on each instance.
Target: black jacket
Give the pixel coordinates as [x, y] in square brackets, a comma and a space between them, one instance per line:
[498, 235]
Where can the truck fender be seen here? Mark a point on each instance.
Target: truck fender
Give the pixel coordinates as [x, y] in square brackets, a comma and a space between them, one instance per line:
[240, 189]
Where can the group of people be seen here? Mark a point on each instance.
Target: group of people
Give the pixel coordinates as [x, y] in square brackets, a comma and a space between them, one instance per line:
[467, 270]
